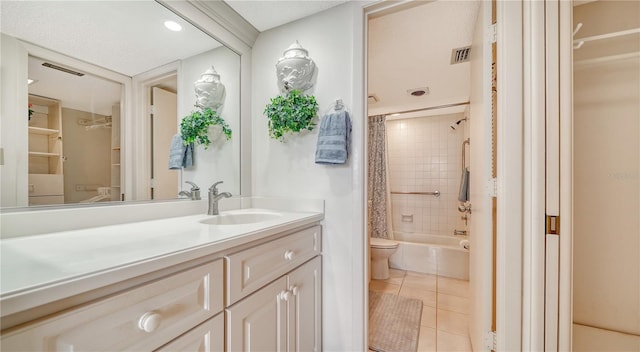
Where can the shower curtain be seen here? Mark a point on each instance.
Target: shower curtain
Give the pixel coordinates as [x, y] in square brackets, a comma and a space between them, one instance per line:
[378, 202]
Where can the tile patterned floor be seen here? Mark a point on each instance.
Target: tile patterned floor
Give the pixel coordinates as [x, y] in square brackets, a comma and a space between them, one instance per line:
[445, 309]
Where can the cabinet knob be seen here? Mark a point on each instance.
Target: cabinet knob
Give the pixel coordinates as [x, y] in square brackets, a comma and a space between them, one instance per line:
[294, 290]
[284, 295]
[288, 255]
[149, 321]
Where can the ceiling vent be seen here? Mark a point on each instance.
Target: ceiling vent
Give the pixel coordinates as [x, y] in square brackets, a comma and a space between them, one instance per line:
[460, 55]
[63, 69]
[371, 99]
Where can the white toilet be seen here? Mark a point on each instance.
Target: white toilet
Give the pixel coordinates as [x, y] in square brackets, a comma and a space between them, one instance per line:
[381, 250]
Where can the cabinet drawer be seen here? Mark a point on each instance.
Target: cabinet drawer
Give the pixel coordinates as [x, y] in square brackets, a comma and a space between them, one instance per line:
[208, 337]
[142, 318]
[254, 267]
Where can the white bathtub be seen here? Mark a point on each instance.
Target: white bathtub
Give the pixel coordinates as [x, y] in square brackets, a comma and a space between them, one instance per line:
[431, 254]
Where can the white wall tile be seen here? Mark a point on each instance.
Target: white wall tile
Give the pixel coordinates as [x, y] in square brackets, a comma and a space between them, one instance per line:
[425, 155]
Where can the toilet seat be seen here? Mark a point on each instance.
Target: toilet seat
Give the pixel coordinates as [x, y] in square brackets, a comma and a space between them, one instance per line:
[382, 243]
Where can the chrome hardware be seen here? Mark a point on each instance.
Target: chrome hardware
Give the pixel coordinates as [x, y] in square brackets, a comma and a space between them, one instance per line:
[194, 194]
[214, 197]
[459, 232]
[434, 193]
[465, 208]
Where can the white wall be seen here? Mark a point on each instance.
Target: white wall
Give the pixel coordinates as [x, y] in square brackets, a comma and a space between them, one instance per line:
[334, 41]
[606, 198]
[425, 155]
[221, 161]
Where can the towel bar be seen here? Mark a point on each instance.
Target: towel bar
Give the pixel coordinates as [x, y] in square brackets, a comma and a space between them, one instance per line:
[434, 193]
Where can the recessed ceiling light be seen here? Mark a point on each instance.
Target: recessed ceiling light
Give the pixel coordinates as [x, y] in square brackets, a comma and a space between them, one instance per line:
[418, 92]
[174, 26]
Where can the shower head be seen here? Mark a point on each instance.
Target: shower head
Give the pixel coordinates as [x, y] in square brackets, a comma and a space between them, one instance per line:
[457, 123]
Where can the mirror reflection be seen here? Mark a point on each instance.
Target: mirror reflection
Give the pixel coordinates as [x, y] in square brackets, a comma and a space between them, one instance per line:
[109, 82]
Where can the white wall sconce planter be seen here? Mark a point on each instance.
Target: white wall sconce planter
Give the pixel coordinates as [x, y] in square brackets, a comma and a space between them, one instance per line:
[295, 69]
[210, 92]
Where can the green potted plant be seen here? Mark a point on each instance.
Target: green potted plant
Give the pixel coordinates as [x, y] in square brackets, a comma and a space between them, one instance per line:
[194, 128]
[292, 112]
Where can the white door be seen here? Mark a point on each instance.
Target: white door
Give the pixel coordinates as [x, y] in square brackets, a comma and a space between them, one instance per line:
[164, 127]
[259, 322]
[481, 182]
[305, 308]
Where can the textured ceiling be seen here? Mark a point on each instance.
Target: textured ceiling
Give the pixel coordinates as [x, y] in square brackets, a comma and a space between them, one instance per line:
[265, 15]
[411, 48]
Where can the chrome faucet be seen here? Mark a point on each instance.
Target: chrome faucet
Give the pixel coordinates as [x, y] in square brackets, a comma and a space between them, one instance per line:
[194, 194]
[214, 197]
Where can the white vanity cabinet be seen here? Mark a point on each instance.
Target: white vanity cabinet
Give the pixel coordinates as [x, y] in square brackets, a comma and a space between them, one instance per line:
[284, 315]
[260, 294]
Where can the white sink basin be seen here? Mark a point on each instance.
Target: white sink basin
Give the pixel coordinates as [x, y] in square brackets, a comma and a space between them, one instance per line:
[238, 218]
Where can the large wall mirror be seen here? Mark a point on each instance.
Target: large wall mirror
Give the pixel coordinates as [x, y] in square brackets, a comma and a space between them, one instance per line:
[93, 94]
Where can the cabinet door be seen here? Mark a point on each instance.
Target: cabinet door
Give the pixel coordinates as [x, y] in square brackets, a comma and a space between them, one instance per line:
[207, 337]
[258, 322]
[305, 307]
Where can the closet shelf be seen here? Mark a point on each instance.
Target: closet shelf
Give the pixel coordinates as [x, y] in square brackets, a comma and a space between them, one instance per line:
[43, 131]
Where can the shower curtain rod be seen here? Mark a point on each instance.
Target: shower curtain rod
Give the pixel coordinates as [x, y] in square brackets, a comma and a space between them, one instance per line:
[425, 109]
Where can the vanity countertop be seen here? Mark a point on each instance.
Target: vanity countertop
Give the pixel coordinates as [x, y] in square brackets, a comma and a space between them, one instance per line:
[48, 267]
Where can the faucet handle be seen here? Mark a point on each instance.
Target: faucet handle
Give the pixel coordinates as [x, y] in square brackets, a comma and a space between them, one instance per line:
[214, 188]
[194, 187]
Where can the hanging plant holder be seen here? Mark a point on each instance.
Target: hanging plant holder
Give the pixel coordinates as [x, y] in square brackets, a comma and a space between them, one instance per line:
[291, 113]
[194, 128]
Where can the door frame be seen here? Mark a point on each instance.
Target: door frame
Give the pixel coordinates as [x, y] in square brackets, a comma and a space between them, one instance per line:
[14, 127]
[142, 85]
[510, 182]
[511, 158]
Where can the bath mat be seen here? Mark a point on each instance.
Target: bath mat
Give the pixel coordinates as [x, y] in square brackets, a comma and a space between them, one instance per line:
[394, 322]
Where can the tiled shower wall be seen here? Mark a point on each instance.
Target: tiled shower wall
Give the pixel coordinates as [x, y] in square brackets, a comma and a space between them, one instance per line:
[424, 155]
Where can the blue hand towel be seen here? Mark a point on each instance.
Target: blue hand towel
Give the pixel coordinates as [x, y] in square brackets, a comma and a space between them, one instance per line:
[334, 138]
[463, 195]
[180, 155]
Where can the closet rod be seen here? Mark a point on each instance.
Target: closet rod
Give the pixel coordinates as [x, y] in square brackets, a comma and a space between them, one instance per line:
[607, 35]
[425, 109]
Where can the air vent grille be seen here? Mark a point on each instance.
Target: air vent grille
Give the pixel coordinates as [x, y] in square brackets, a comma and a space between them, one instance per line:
[63, 69]
[460, 55]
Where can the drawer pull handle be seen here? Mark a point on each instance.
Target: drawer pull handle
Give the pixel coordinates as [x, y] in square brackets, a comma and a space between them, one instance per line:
[284, 295]
[288, 255]
[149, 321]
